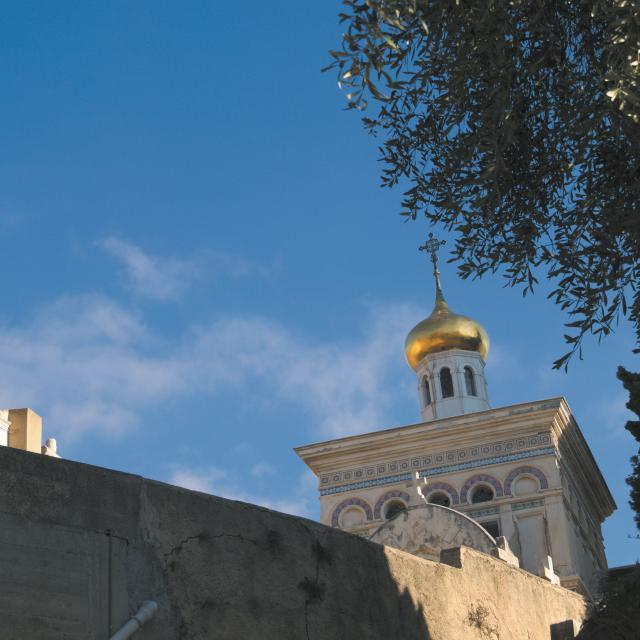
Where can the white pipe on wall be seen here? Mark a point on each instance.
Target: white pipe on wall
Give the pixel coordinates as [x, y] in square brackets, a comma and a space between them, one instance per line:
[145, 613]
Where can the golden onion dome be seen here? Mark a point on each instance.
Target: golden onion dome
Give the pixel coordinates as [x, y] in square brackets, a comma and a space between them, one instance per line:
[444, 330]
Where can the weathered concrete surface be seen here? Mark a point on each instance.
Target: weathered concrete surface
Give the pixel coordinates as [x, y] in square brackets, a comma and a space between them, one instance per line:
[81, 547]
[426, 529]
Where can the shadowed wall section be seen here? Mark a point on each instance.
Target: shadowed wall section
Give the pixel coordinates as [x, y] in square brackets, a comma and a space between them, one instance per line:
[82, 547]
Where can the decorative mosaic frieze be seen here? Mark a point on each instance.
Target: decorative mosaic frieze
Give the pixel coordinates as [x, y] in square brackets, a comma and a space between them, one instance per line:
[365, 484]
[518, 506]
[487, 461]
[406, 477]
[438, 459]
[484, 512]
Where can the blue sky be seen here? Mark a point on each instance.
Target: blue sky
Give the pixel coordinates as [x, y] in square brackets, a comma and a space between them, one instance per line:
[200, 269]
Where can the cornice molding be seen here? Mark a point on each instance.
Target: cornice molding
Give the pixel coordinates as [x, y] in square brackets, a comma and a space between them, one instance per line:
[578, 462]
[446, 433]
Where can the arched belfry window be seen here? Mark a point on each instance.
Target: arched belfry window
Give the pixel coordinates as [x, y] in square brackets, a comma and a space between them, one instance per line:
[446, 382]
[426, 391]
[440, 498]
[470, 381]
[483, 493]
[393, 508]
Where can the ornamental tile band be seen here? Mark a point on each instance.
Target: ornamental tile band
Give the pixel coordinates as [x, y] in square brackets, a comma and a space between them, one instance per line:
[517, 506]
[481, 463]
[483, 512]
[440, 458]
[377, 482]
[366, 484]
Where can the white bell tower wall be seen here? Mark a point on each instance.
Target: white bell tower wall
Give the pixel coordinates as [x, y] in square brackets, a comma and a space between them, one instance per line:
[451, 383]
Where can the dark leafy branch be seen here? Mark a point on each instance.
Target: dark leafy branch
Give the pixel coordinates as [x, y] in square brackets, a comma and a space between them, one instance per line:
[631, 382]
[517, 126]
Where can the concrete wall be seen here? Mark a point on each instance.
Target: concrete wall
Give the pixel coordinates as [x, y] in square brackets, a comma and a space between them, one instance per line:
[81, 547]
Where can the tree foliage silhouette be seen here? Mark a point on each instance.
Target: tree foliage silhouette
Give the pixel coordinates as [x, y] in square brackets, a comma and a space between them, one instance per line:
[516, 125]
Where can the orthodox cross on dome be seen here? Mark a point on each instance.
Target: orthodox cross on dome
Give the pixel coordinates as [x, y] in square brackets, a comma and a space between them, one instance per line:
[432, 245]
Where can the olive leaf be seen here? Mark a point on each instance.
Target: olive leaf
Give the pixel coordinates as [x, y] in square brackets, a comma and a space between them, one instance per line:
[516, 125]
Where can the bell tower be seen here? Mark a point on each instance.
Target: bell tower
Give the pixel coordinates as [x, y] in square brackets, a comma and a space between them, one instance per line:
[522, 471]
[448, 352]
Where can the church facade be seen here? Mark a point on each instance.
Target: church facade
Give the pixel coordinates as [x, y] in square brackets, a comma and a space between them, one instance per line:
[523, 471]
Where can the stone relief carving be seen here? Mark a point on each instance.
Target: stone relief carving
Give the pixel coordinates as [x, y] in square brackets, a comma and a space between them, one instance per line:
[425, 530]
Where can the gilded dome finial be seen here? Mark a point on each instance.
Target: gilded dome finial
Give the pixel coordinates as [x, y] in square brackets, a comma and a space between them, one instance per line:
[443, 330]
[432, 245]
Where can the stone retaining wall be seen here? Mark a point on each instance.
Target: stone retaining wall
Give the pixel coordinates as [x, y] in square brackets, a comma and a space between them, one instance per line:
[82, 547]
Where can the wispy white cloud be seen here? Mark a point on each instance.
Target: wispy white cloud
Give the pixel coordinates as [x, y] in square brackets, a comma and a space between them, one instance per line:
[262, 470]
[162, 277]
[204, 480]
[92, 366]
[345, 387]
[216, 481]
[87, 364]
[158, 277]
[351, 388]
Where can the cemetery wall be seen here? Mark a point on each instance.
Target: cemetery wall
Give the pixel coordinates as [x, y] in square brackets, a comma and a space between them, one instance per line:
[82, 547]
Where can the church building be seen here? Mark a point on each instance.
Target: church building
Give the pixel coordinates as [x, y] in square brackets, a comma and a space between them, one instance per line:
[523, 471]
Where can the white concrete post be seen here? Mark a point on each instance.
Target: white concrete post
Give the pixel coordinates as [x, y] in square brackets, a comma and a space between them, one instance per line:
[4, 427]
